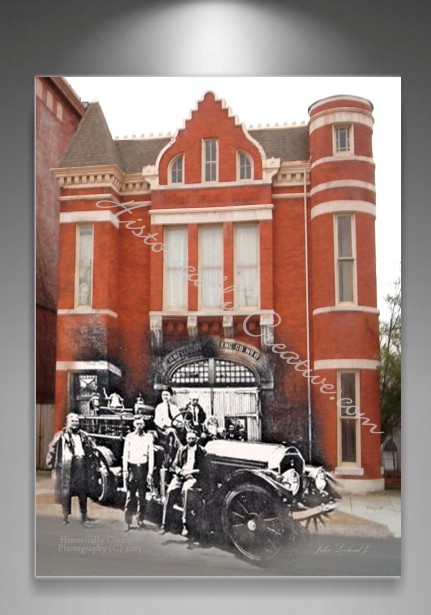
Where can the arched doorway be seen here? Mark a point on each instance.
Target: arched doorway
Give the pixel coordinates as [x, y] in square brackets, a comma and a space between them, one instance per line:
[225, 388]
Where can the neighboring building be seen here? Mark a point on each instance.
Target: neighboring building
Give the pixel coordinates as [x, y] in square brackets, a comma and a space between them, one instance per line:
[58, 112]
[195, 261]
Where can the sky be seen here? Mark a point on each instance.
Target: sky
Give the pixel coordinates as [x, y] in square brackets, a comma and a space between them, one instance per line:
[137, 106]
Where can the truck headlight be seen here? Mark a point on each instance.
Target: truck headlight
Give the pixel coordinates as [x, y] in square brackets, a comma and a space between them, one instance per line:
[320, 479]
[318, 475]
[291, 480]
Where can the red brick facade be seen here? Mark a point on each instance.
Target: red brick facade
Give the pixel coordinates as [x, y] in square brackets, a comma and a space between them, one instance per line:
[298, 189]
[57, 115]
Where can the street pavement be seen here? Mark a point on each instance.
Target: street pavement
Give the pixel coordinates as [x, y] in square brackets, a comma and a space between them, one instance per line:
[374, 514]
[360, 538]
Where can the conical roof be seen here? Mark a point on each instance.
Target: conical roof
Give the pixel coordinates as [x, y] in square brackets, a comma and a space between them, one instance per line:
[92, 143]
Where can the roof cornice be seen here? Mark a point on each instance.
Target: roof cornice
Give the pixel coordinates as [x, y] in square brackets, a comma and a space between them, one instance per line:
[110, 176]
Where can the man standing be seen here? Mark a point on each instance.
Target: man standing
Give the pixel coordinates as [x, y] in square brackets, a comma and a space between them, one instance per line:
[138, 466]
[189, 473]
[195, 414]
[70, 455]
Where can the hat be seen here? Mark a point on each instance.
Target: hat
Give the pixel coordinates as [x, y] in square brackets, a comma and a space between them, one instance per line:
[168, 390]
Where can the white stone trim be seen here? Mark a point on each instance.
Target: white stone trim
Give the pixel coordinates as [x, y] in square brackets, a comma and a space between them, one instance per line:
[342, 158]
[86, 311]
[344, 116]
[86, 197]
[90, 177]
[87, 365]
[208, 185]
[346, 97]
[361, 486]
[212, 312]
[330, 207]
[345, 308]
[77, 217]
[290, 195]
[323, 364]
[343, 183]
[206, 215]
[352, 471]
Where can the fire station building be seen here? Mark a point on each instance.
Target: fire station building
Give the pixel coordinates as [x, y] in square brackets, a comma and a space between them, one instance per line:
[234, 264]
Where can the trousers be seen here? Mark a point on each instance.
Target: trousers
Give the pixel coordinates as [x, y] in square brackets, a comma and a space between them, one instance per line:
[78, 487]
[136, 492]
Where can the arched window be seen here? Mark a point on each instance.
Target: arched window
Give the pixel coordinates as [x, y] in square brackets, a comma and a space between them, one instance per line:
[244, 166]
[177, 170]
[213, 372]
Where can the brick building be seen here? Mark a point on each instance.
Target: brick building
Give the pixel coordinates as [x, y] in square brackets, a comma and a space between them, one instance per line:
[58, 112]
[236, 264]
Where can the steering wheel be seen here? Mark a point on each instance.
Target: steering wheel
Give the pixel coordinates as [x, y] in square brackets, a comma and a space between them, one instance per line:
[179, 420]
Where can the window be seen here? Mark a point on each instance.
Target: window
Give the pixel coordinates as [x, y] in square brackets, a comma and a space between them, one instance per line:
[177, 170]
[211, 266]
[210, 160]
[342, 139]
[345, 265]
[348, 422]
[212, 372]
[244, 166]
[84, 260]
[246, 265]
[176, 256]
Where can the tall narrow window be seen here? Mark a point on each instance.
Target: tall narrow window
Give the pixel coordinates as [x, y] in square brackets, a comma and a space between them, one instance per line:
[176, 256]
[345, 258]
[349, 423]
[177, 170]
[210, 160]
[244, 166]
[342, 139]
[84, 260]
[246, 265]
[211, 266]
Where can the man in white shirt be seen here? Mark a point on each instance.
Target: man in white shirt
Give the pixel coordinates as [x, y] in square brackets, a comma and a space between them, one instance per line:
[167, 418]
[138, 466]
[166, 411]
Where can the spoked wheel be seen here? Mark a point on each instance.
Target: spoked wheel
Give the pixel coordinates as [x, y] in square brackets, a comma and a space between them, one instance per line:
[251, 519]
[103, 488]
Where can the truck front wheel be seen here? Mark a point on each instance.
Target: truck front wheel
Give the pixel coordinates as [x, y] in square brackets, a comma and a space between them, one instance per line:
[252, 521]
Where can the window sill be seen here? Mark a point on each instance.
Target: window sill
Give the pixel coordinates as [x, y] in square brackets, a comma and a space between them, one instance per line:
[346, 471]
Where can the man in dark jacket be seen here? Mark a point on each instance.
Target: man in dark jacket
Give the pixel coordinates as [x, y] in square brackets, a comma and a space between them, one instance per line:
[71, 454]
[189, 474]
[195, 415]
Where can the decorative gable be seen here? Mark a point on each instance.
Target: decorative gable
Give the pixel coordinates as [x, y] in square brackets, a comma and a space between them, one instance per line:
[211, 120]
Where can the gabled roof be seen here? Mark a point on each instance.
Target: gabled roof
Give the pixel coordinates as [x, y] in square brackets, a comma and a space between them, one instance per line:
[138, 153]
[93, 145]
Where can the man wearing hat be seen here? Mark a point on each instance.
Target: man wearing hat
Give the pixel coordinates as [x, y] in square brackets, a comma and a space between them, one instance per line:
[164, 415]
[195, 414]
[190, 472]
[71, 455]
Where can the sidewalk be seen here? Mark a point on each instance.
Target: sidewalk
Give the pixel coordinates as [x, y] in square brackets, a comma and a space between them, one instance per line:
[375, 514]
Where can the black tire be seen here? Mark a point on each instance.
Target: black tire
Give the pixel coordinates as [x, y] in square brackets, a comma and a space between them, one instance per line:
[103, 483]
[251, 519]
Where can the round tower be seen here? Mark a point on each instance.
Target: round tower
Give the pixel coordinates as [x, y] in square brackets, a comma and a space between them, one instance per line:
[343, 297]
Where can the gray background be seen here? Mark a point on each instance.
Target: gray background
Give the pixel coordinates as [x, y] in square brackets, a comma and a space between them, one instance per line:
[310, 37]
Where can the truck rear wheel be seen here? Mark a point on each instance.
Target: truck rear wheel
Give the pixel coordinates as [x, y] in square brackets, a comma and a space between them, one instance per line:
[251, 519]
[102, 484]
